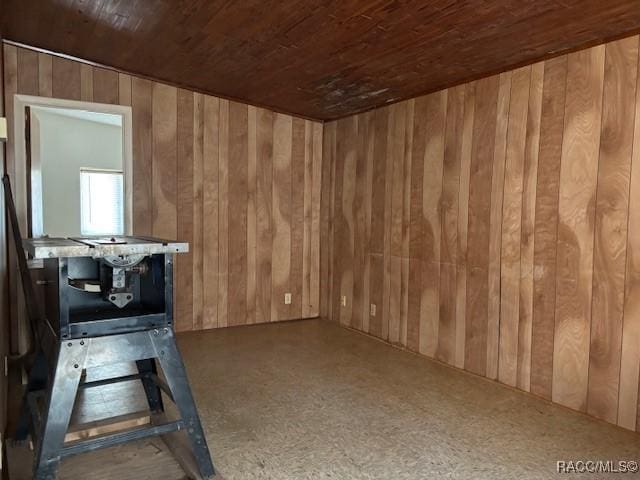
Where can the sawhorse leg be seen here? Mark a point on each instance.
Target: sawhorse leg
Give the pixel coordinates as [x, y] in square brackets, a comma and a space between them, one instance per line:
[146, 368]
[176, 377]
[59, 405]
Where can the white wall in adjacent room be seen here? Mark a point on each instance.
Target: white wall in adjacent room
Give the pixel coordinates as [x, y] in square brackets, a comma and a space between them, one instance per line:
[63, 145]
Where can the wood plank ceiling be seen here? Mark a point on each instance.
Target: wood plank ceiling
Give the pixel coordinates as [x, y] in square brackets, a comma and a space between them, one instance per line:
[315, 58]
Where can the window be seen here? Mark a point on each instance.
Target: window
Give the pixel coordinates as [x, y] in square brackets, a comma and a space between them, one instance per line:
[101, 202]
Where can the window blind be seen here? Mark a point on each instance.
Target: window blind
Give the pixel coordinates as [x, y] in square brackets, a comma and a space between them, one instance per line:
[101, 203]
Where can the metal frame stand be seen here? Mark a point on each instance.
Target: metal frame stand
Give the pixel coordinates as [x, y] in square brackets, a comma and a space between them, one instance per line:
[64, 347]
[49, 403]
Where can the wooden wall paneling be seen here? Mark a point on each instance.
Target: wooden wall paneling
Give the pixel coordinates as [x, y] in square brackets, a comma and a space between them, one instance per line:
[5, 301]
[281, 205]
[359, 224]
[325, 204]
[198, 203]
[124, 89]
[326, 234]
[368, 119]
[210, 210]
[311, 237]
[316, 202]
[185, 179]
[264, 213]
[546, 225]
[27, 72]
[297, 217]
[379, 233]
[446, 350]
[141, 102]
[610, 242]
[511, 226]
[406, 202]
[10, 89]
[376, 294]
[395, 149]
[478, 235]
[237, 207]
[345, 176]
[45, 75]
[252, 187]
[463, 221]
[183, 265]
[495, 224]
[105, 86]
[164, 167]
[338, 224]
[432, 164]
[223, 214]
[66, 79]
[10, 79]
[527, 179]
[307, 216]
[388, 219]
[4, 284]
[330, 151]
[530, 176]
[332, 223]
[578, 175]
[630, 352]
[417, 223]
[86, 83]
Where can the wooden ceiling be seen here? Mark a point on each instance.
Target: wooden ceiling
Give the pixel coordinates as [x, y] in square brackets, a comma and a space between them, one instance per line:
[322, 59]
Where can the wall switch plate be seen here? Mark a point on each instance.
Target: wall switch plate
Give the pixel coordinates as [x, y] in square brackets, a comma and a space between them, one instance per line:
[3, 129]
[287, 299]
[373, 310]
[344, 300]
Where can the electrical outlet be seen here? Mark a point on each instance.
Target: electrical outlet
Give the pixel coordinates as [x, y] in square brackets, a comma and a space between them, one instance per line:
[287, 299]
[344, 300]
[373, 310]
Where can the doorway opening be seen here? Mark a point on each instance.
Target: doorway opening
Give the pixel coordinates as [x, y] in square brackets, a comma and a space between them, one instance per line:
[75, 174]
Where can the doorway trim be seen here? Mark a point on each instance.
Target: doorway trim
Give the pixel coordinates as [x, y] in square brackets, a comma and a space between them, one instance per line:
[20, 102]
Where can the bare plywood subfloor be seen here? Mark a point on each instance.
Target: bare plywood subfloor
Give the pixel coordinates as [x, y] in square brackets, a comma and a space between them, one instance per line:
[309, 400]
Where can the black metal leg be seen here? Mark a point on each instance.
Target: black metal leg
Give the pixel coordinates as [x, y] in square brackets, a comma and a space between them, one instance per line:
[146, 368]
[59, 405]
[52, 391]
[176, 376]
[37, 381]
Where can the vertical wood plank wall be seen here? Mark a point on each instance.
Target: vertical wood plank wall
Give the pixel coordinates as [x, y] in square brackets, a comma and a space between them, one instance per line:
[496, 227]
[241, 184]
[4, 281]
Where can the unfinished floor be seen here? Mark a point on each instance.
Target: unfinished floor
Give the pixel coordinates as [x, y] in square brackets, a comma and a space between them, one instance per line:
[309, 400]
